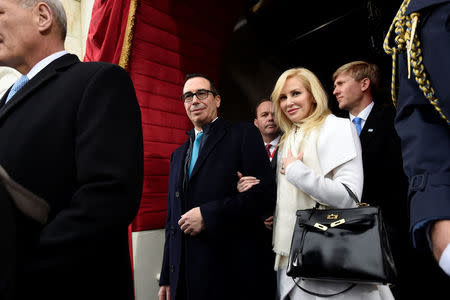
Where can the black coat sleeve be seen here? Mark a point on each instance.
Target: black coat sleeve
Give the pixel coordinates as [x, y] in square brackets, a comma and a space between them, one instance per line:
[109, 173]
[256, 202]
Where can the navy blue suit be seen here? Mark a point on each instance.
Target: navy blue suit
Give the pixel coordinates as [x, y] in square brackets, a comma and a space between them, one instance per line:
[424, 135]
[425, 141]
[383, 169]
[224, 261]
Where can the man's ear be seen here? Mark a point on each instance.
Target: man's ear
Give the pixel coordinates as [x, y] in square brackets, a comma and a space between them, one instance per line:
[254, 122]
[217, 98]
[44, 16]
[365, 84]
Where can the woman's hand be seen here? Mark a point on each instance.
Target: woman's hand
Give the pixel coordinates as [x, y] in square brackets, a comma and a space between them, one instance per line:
[245, 182]
[269, 223]
[289, 160]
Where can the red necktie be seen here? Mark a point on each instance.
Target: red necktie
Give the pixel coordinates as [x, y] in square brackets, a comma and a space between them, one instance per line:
[268, 146]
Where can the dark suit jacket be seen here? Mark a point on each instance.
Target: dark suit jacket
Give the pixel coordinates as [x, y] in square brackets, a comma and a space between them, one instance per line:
[19, 239]
[224, 260]
[385, 183]
[73, 136]
[7, 245]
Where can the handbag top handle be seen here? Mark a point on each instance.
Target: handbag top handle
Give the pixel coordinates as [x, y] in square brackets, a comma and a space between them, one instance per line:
[352, 195]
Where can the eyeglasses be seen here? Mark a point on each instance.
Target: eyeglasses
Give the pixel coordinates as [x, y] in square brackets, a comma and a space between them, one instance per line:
[200, 94]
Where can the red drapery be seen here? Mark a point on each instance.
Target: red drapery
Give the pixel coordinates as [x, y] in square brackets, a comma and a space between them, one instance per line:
[107, 30]
[170, 39]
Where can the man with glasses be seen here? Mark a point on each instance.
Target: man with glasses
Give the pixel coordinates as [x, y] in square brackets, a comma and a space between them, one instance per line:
[213, 232]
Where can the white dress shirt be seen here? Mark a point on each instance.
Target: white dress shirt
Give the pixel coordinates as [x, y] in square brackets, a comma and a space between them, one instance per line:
[43, 63]
[444, 262]
[364, 114]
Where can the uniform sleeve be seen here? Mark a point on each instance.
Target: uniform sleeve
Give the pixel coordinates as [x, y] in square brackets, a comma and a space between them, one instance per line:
[431, 203]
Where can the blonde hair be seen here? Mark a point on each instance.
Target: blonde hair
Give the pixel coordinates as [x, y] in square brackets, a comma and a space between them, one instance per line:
[314, 87]
[359, 70]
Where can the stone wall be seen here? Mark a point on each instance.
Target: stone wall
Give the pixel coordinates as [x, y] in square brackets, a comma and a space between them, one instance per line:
[78, 18]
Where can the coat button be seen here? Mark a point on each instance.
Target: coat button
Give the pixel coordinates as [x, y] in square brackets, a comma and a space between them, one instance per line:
[172, 268]
[177, 194]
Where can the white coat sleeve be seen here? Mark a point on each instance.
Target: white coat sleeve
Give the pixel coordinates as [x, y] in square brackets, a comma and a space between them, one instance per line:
[328, 188]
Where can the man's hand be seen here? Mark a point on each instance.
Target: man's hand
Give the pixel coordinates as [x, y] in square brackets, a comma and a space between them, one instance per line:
[245, 182]
[164, 292]
[269, 223]
[440, 237]
[192, 222]
[289, 160]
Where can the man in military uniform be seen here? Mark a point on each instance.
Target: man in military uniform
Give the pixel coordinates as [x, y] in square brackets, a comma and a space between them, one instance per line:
[422, 45]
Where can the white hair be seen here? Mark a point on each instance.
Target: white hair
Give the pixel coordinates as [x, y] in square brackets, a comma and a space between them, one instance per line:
[57, 9]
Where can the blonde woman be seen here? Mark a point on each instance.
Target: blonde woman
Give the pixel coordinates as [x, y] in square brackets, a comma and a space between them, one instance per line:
[318, 154]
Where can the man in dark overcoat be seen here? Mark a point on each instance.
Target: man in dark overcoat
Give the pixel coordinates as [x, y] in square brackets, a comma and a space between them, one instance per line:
[213, 232]
[71, 133]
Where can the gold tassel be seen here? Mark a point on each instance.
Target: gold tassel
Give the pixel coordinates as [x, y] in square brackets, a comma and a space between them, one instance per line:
[415, 19]
[129, 34]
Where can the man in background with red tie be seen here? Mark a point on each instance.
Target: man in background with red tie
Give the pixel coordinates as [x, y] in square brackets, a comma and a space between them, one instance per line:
[271, 135]
[269, 130]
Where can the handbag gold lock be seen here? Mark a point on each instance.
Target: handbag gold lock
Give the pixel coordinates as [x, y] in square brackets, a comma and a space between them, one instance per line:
[332, 217]
[338, 222]
[321, 227]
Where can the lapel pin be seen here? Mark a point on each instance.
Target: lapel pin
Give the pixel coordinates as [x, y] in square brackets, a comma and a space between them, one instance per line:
[370, 130]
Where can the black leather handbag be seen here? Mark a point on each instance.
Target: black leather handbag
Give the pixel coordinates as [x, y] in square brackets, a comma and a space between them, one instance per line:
[341, 245]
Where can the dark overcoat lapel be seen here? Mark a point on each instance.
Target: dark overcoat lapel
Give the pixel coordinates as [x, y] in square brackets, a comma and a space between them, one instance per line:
[219, 132]
[35, 83]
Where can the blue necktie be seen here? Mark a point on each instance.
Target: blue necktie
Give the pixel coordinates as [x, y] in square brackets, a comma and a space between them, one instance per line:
[195, 149]
[17, 86]
[357, 122]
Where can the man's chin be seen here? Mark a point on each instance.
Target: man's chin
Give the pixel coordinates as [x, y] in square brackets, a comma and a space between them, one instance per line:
[341, 106]
[272, 131]
[199, 120]
[196, 115]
